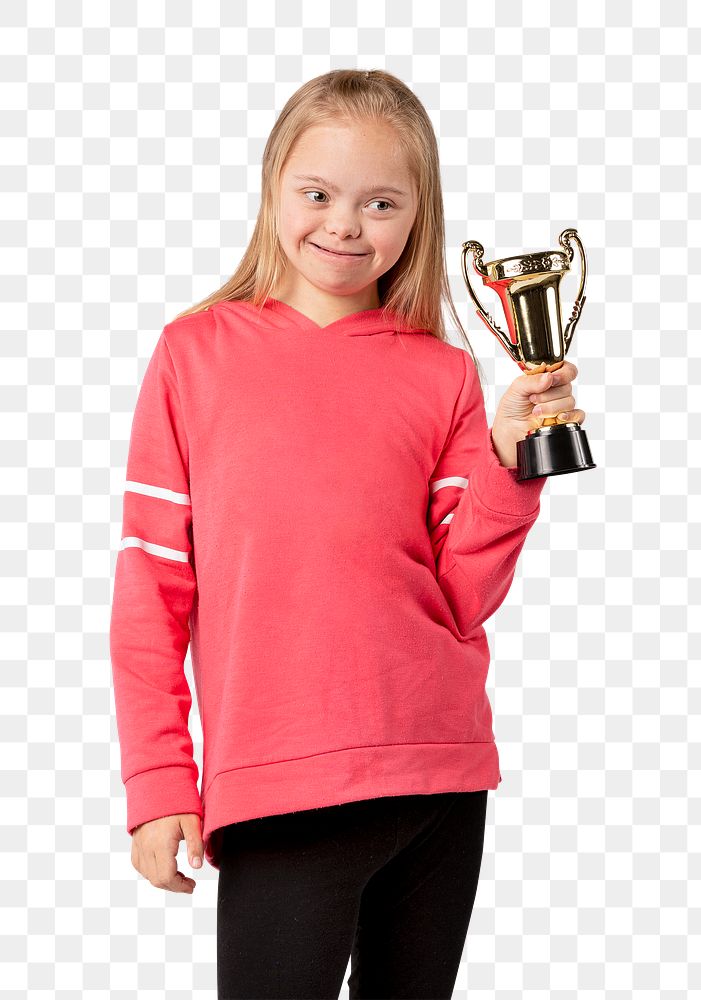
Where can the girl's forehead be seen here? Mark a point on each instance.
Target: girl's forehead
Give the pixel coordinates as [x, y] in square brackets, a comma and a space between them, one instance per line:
[321, 163]
[377, 136]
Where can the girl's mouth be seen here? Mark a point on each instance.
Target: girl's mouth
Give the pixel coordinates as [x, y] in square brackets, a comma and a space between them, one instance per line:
[338, 256]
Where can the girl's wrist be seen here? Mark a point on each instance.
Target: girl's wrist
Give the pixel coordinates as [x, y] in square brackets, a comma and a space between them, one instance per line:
[505, 451]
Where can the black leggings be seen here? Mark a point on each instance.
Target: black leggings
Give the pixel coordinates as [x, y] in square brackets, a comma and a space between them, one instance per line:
[389, 882]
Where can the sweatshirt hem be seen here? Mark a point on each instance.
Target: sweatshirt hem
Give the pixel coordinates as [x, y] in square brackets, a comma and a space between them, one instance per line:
[340, 776]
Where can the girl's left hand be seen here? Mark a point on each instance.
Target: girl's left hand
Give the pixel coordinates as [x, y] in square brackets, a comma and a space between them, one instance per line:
[525, 404]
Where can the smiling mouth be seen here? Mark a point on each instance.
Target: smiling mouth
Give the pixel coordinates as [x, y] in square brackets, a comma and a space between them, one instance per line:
[338, 253]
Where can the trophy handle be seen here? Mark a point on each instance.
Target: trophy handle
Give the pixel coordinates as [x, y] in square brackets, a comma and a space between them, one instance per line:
[565, 236]
[478, 250]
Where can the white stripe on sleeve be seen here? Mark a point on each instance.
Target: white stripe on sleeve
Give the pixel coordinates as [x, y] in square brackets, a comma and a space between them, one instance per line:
[157, 491]
[156, 550]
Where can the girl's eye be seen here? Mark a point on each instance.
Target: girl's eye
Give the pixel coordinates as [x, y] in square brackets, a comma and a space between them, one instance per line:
[378, 201]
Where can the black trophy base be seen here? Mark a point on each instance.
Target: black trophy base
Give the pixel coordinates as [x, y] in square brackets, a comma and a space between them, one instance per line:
[552, 451]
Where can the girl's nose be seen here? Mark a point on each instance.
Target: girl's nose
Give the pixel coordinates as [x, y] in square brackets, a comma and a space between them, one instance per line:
[342, 224]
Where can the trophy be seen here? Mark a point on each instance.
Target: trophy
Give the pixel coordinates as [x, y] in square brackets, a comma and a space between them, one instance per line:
[529, 289]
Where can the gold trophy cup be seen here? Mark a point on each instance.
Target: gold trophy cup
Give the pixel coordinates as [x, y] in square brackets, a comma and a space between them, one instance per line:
[529, 289]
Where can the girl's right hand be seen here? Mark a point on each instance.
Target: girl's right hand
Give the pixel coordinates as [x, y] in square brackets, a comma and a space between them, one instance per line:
[154, 849]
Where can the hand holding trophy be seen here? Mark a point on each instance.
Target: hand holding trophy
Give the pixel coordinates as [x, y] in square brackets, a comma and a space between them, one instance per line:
[529, 289]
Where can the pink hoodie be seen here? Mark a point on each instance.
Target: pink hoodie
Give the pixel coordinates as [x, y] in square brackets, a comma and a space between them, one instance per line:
[320, 514]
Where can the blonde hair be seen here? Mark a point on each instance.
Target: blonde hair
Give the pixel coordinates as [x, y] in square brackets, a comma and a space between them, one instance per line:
[417, 285]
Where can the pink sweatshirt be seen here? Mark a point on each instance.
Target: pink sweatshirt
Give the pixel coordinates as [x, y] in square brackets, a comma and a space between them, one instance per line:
[320, 514]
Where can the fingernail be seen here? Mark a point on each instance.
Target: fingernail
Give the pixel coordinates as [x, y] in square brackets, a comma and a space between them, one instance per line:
[196, 862]
[562, 416]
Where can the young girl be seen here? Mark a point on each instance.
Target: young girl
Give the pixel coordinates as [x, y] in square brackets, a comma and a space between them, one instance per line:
[314, 502]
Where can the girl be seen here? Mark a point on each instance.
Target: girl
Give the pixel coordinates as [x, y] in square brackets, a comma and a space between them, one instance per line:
[314, 502]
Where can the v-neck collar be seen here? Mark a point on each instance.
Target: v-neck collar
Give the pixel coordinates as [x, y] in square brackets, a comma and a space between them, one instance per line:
[344, 324]
[363, 323]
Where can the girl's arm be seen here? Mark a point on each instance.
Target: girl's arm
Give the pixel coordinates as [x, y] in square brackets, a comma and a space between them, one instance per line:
[479, 514]
[153, 592]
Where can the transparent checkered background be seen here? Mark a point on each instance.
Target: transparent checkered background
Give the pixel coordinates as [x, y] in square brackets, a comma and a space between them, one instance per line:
[131, 145]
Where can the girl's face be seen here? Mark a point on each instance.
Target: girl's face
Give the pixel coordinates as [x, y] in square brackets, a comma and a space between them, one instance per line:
[344, 188]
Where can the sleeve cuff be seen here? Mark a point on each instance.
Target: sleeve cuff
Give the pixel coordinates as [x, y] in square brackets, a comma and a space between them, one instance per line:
[162, 791]
[497, 486]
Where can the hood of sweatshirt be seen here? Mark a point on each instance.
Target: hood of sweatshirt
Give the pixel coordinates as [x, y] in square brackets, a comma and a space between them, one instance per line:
[364, 323]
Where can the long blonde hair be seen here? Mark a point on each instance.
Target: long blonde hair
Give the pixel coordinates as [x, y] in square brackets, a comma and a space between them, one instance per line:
[417, 285]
